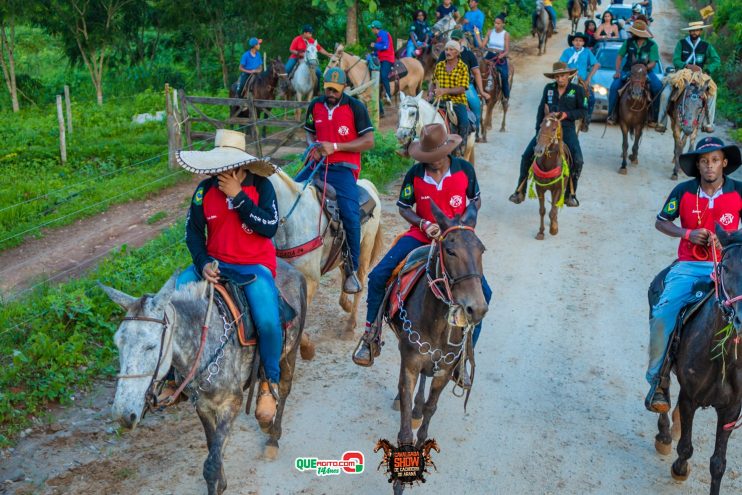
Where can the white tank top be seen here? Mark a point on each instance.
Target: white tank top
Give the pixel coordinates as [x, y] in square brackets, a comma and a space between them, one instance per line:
[496, 41]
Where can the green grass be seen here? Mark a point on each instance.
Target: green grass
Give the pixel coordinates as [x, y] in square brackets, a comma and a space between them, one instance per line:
[156, 217]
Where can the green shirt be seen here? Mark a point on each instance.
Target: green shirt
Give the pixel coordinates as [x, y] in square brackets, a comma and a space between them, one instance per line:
[711, 63]
[654, 52]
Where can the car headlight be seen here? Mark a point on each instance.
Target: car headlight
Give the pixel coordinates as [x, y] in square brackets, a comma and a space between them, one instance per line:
[600, 90]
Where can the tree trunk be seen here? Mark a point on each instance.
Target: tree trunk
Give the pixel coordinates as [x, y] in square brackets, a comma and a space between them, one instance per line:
[351, 27]
[199, 78]
[7, 45]
[218, 38]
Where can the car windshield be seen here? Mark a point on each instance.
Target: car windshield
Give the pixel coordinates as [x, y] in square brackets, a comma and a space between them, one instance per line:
[607, 58]
[621, 13]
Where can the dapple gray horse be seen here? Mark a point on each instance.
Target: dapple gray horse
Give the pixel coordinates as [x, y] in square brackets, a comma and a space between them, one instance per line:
[164, 330]
[304, 78]
[543, 26]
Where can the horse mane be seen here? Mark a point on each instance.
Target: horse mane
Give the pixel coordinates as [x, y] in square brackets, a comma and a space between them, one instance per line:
[290, 183]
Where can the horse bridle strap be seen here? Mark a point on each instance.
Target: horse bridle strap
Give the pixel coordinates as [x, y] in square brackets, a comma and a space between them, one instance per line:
[165, 323]
[442, 275]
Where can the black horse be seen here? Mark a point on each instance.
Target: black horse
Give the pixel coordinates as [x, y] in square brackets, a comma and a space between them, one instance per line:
[707, 365]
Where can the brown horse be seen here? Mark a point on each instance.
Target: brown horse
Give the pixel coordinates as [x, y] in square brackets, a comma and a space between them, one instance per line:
[685, 111]
[262, 86]
[550, 156]
[575, 14]
[592, 7]
[496, 94]
[707, 365]
[633, 109]
[428, 343]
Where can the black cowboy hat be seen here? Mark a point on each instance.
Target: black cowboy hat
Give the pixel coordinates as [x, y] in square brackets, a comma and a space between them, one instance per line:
[706, 145]
[571, 38]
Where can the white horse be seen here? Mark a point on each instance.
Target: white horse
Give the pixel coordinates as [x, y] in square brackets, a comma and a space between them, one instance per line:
[442, 29]
[414, 113]
[304, 79]
[306, 222]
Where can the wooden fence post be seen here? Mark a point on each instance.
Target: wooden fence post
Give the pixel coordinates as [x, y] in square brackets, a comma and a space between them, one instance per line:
[171, 146]
[68, 104]
[62, 139]
[373, 110]
[185, 119]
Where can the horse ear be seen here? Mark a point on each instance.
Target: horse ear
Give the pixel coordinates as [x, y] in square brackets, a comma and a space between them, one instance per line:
[440, 218]
[419, 95]
[121, 298]
[725, 237]
[402, 95]
[470, 215]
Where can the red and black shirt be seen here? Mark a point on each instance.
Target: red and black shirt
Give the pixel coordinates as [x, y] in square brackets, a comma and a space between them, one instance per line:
[458, 187]
[343, 123]
[696, 210]
[236, 231]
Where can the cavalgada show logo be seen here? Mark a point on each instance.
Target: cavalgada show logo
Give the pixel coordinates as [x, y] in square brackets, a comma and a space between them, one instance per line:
[351, 462]
[406, 464]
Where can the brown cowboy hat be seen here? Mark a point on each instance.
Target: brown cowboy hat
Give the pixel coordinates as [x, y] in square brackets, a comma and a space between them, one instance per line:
[559, 68]
[434, 144]
[639, 29]
[228, 154]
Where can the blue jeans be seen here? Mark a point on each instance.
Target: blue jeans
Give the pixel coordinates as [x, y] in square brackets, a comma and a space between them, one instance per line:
[241, 83]
[341, 178]
[411, 46]
[504, 74]
[462, 116]
[678, 293]
[292, 62]
[386, 68]
[262, 296]
[379, 276]
[590, 103]
[473, 99]
[655, 86]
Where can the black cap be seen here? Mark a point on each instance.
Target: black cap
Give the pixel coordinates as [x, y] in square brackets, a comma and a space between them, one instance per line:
[307, 29]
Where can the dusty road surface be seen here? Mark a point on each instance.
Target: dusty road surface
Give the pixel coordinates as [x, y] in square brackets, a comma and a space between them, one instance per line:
[557, 405]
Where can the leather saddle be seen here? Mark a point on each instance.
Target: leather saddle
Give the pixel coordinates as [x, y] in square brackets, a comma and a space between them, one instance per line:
[399, 70]
[230, 298]
[404, 278]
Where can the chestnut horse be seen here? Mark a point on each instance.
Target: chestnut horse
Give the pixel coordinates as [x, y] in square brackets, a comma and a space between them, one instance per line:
[496, 94]
[633, 109]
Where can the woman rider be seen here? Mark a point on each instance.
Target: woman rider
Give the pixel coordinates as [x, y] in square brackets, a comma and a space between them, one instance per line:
[497, 43]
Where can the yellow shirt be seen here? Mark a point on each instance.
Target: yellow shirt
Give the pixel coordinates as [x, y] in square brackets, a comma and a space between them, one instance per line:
[547, 3]
[457, 78]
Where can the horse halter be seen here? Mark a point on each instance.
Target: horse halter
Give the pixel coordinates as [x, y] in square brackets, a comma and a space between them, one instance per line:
[442, 276]
[555, 138]
[412, 130]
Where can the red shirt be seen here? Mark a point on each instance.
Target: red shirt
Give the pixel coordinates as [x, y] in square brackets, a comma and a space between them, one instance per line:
[384, 46]
[343, 123]
[300, 44]
[457, 188]
[696, 212]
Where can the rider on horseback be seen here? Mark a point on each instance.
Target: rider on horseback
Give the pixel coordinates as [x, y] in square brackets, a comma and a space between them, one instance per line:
[640, 49]
[567, 100]
[473, 20]
[450, 82]
[709, 199]
[696, 55]
[250, 63]
[232, 218]
[552, 15]
[580, 58]
[498, 47]
[439, 177]
[299, 46]
[420, 34]
[341, 129]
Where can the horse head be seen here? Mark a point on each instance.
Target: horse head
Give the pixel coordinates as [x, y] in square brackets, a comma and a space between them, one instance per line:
[729, 275]
[691, 107]
[549, 134]
[144, 342]
[408, 117]
[460, 254]
[336, 57]
[638, 82]
[310, 55]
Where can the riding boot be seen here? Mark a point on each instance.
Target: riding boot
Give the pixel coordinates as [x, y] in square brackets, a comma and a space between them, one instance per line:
[657, 400]
[351, 284]
[369, 346]
[265, 409]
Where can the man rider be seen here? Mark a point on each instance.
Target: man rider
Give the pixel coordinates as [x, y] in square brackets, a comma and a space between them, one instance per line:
[450, 82]
[580, 58]
[552, 15]
[711, 198]
[473, 20]
[639, 49]
[250, 63]
[567, 100]
[299, 46]
[695, 54]
[340, 127]
[383, 48]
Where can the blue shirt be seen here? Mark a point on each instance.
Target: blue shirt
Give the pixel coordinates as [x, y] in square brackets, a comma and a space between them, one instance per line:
[250, 61]
[583, 64]
[475, 18]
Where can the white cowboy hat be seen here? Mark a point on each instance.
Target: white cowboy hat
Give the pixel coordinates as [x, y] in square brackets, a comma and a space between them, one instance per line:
[695, 25]
[228, 154]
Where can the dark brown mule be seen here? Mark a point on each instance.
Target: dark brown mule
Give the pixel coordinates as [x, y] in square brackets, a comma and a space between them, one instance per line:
[496, 94]
[685, 111]
[429, 345]
[707, 365]
[549, 155]
[268, 85]
[633, 109]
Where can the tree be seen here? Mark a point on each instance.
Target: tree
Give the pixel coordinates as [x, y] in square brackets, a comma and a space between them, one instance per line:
[10, 12]
[89, 30]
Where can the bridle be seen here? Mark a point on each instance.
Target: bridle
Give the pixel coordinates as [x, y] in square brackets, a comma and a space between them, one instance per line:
[440, 281]
[726, 302]
[412, 130]
[692, 93]
[150, 396]
[556, 138]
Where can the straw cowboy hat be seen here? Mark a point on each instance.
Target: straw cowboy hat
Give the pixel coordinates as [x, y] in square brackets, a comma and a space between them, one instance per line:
[559, 68]
[228, 154]
[695, 25]
[731, 152]
[435, 143]
[639, 29]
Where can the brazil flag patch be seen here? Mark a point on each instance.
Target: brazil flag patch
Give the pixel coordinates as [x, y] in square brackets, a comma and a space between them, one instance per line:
[671, 206]
[198, 198]
[407, 191]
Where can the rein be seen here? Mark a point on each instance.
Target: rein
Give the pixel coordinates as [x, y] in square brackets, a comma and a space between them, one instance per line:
[441, 276]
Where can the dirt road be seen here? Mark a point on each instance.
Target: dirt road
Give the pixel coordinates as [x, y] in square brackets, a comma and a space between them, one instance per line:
[558, 401]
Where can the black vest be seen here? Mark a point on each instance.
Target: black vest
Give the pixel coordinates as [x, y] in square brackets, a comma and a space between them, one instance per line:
[686, 50]
[635, 55]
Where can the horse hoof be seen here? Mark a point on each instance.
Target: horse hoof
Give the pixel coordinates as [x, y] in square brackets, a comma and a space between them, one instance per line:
[416, 422]
[306, 348]
[634, 161]
[539, 236]
[502, 129]
[345, 303]
[680, 477]
[662, 448]
[553, 231]
[270, 452]
[623, 171]
[395, 405]
[674, 176]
